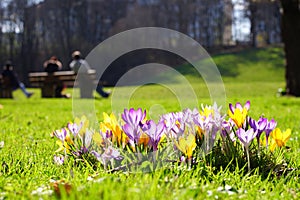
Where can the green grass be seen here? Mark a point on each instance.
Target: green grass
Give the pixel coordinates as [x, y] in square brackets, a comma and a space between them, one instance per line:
[254, 65]
[26, 124]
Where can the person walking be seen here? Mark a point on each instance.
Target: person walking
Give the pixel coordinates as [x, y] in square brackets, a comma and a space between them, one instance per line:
[12, 79]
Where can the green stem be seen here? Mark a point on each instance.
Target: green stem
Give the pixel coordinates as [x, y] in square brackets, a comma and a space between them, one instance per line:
[248, 159]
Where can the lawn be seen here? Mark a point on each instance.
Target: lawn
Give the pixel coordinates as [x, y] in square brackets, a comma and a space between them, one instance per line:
[27, 169]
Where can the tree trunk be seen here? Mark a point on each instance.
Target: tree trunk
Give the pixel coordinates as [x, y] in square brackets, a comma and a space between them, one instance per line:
[253, 19]
[290, 37]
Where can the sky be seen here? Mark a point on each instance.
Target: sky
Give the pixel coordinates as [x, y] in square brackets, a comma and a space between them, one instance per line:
[241, 26]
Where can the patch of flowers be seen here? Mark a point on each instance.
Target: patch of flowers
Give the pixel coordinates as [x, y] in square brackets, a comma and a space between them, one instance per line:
[186, 138]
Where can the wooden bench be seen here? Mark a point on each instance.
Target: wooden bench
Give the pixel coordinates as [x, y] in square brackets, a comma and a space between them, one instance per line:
[5, 88]
[48, 82]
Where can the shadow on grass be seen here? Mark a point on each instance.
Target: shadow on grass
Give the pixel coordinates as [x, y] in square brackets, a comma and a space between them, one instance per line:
[232, 64]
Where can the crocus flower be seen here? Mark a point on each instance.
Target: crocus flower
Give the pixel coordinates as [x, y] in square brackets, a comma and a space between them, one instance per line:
[110, 123]
[178, 130]
[187, 117]
[269, 128]
[133, 134]
[258, 126]
[154, 131]
[227, 131]
[66, 144]
[133, 117]
[206, 111]
[61, 134]
[246, 136]
[87, 139]
[169, 122]
[204, 123]
[279, 137]
[238, 113]
[186, 145]
[83, 123]
[59, 160]
[174, 124]
[74, 128]
[213, 111]
[108, 154]
[105, 138]
[133, 122]
[209, 122]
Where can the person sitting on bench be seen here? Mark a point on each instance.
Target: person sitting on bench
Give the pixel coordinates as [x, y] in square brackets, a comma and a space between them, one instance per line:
[53, 65]
[13, 80]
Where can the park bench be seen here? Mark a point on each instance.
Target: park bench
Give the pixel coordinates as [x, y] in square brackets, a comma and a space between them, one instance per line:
[5, 88]
[48, 82]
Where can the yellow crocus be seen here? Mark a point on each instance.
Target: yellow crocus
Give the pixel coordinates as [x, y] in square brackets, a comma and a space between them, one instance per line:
[207, 112]
[238, 116]
[65, 145]
[186, 145]
[61, 146]
[280, 138]
[110, 123]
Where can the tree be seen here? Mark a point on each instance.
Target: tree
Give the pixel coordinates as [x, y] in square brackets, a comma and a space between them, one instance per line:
[14, 18]
[290, 37]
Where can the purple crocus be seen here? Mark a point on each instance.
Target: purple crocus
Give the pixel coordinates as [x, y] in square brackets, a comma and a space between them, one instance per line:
[108, 154]
[271, 125]
[106, 137]
[61, 134]
[74, 128]
[239, 106]
[209, 126]
[246, 136]
[154, 131]
[133, 117]
[169, 122]
[226, 130]
[87, 139]
[133, 133]
[187, 117]
[59, 160]
[133, 122]
[178, 126]
[258, 126]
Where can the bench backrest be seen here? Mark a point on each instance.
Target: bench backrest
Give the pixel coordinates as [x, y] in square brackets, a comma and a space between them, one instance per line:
[37, 79]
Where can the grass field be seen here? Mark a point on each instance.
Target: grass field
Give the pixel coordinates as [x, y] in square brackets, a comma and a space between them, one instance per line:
[26, 159]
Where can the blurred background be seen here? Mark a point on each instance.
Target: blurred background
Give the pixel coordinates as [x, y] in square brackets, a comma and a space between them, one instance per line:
[33, 30]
